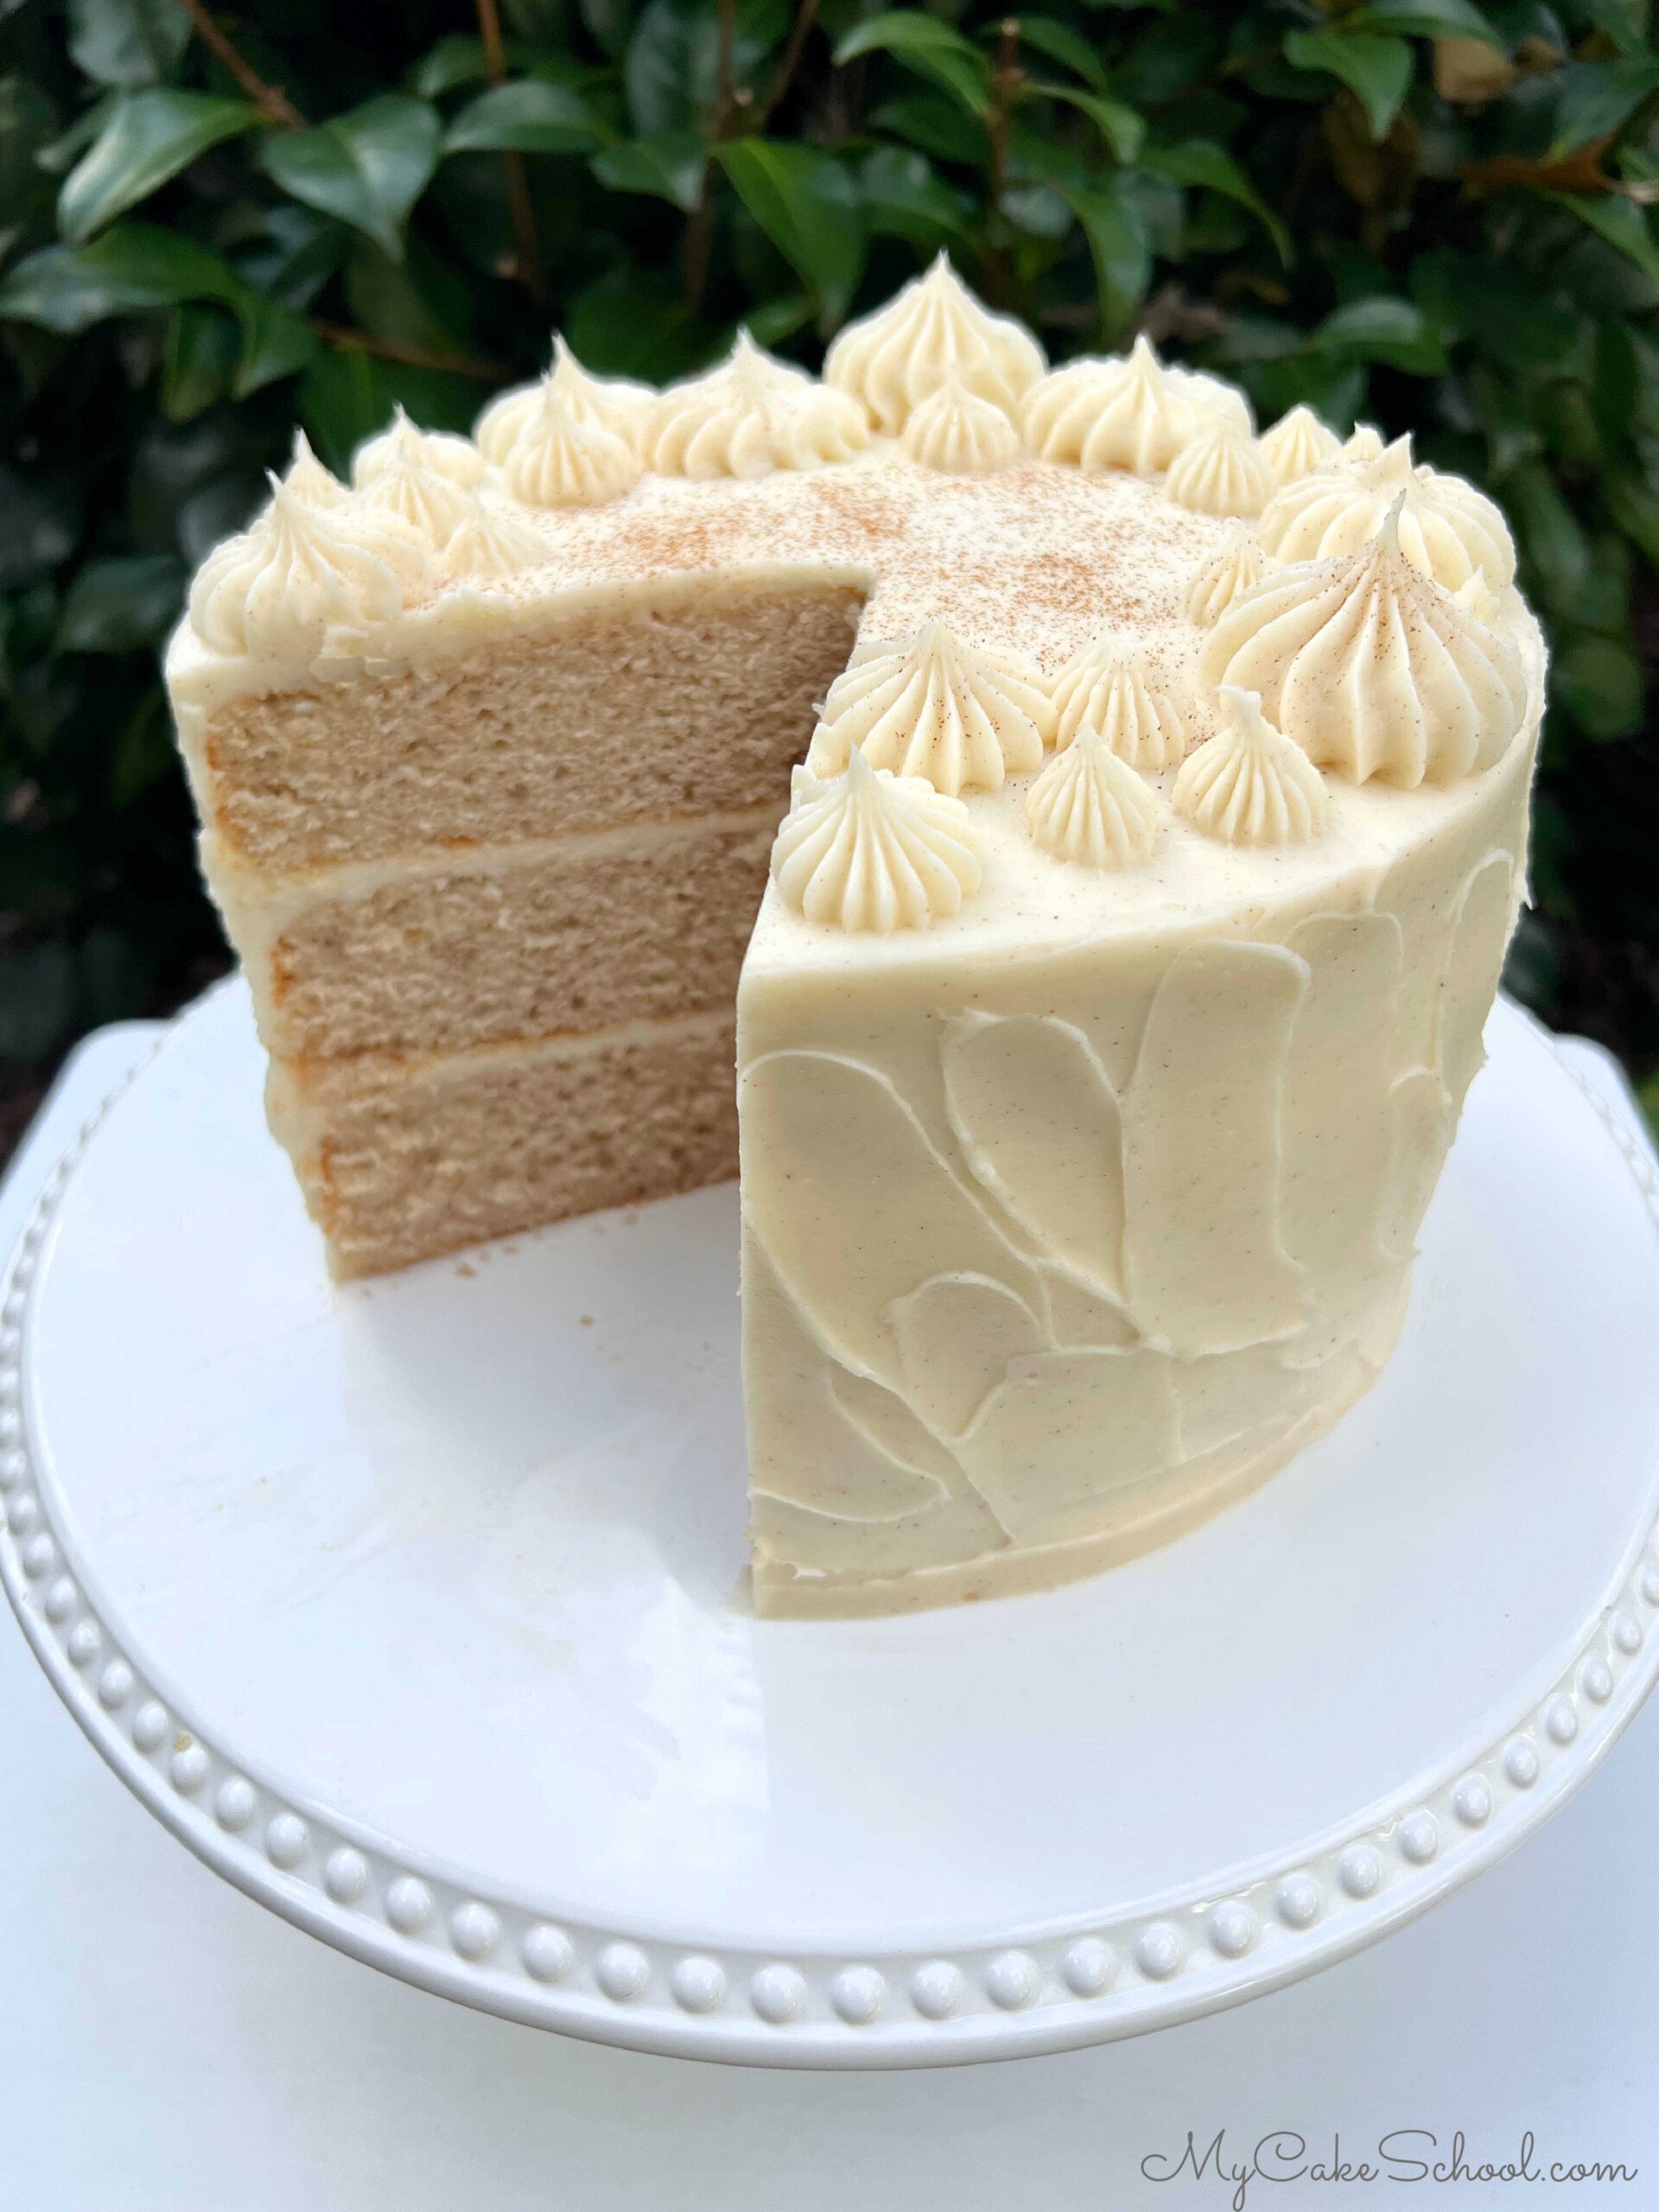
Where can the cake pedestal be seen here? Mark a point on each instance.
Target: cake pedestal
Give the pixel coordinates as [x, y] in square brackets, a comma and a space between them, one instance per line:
[415, 1609]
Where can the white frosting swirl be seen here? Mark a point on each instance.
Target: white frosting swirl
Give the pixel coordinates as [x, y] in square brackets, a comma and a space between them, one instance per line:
[750, 416]
[1238, 568]
[1209, 395]
[1250, 784]
[557, 462]
[433, 505]
[1220, 472]
[1106, 688]
[491, 542]
[1447, 528]
[875, 851]
[934, 329]
[401, 444]
[929, 705]
[307, 480]
[610, 402]
[956, 431]
[1089, 807]
[1369, 666]
[1364, 443]
[302, 579]
[1299, 443]
[1132, 414]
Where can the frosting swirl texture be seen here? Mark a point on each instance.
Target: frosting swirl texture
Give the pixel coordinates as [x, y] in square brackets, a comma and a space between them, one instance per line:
[307, 480]
[1220, 472]
[1238, 568]
[929, 705]
[954, 430]
[608, 403]
[303, 576]
[1248, 784]
[1299, 443]
[556, 460]
[1130, 413]
[1447, 528]
[401, 444]
[1109, 691]
[1371, 667]
[750, 416]
[933, 329]
[1089, 807]
[870, 850]
[489, 543]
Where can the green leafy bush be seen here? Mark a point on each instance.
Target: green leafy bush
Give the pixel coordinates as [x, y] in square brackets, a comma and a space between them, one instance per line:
[217, 223]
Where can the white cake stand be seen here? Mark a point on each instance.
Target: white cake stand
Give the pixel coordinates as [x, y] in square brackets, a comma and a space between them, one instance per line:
[415, 1609]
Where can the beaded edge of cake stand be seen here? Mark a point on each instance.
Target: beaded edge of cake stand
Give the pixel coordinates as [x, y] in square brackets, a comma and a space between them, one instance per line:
[427, 1926]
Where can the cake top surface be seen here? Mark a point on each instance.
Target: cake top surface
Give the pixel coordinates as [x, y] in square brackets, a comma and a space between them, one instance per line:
[1284, 653]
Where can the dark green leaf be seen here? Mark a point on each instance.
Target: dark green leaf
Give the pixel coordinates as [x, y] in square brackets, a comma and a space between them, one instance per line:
[1382, 328]
[131, 268]
[1620, 222]
[672, 65]
[37, 1001]
[276, 343]
[1550, 534]
[939, 126]
[35, 530]
[455, 60]
[345, 396]
[1061, 43]
[27, 122]
[116, 973]
[1117, 233]
[1124, 128]
[526, 117]
[903, 195]
[127, 43]
[150, 137]
[669, 166]
[368, 167]
[198, 359]
[1598, 680]
[1376, 68]
[1634, 505]
[143, 753]
[1597, 97]
[1427, 19]
[121, 606]
[925, 44]
[1199, 161]
[807, 203]
[632, 323]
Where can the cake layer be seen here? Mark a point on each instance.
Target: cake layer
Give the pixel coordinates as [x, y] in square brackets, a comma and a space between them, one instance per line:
[403, 1160]
[436, 956]
[697, 700]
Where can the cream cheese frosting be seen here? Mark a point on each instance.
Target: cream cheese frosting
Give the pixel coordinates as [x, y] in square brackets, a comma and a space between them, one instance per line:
[934, 330]
[1446, 528]
[870, 850]
[1238, 568]
[1096, 1052]
[1220, 471]
[1103, 688]
[1088, 806]
[929, 705]
[1373, 669]
[1248, 784]
[1298, 444]
[955, 431]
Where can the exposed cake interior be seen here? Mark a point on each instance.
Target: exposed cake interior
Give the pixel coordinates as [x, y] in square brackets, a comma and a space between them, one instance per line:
[495, 907]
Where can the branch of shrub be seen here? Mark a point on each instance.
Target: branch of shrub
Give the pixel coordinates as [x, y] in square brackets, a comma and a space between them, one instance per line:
[270, 99]
[531, 269]
[412, 357]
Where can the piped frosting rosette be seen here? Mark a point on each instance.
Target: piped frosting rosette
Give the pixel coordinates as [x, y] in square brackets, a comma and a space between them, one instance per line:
[932, 331]
[867, 850]
[931, 705]
[1371, 668]
[1446, 528]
